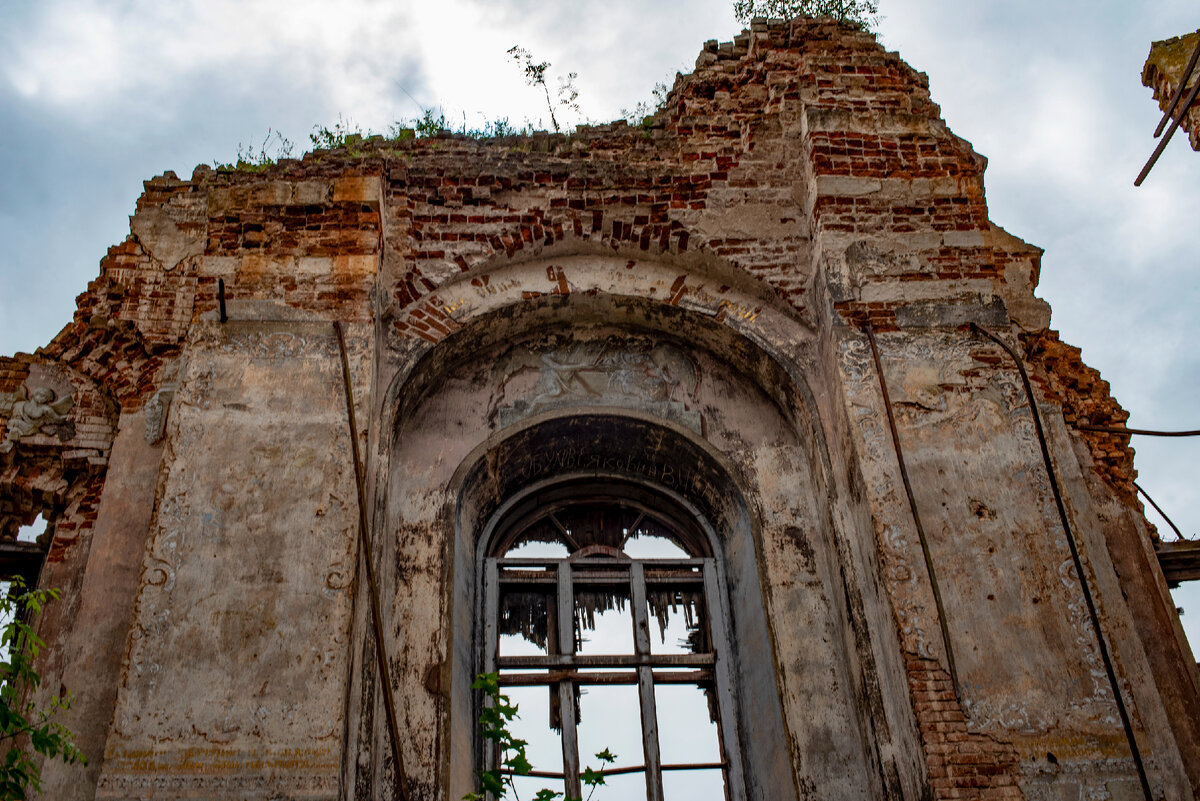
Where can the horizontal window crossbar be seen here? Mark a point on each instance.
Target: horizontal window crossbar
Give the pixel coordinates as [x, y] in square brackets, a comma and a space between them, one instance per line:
[607, 578]
[649, 563]
[585, 678]
[598, 660]
[547, 774]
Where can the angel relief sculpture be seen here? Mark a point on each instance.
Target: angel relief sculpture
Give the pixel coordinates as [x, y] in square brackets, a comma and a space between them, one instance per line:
[38, 412]
[529, 379]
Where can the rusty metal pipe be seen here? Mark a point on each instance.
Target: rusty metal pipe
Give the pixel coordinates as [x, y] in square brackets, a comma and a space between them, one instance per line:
[1187, 104]
[1171, 523]
[364, 548]
[1142, 431]
[1105, 657]
[1187, 73]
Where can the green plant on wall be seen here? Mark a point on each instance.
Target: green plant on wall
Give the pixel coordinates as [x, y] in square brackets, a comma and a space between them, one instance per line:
[642, 115]
[342, 133]
[494, 720]
[535, 75]
[273, 148]
[863, 13]
[433, 122]
[25, 729]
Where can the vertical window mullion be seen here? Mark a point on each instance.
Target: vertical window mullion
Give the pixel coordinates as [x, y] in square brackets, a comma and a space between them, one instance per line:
[566, 688]
[641, 640]
[491, 642]
[491, 630]
[715, 603]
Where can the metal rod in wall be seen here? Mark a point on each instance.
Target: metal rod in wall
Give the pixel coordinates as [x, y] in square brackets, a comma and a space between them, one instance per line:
[1075, 558]
[912, 505]
[1169, 113]
[1143, 431]
[364, 548]
[1170, 522]
[1162, 144]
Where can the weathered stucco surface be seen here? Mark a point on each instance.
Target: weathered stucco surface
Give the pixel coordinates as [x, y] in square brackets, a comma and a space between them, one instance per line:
[682, 308]
[236, 660]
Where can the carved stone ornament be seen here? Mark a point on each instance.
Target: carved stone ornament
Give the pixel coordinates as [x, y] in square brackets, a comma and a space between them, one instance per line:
[38, 412]
[653, 376]
[156, 414]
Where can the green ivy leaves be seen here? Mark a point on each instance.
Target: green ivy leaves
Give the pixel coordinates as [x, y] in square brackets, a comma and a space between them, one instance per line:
[494, 718]
[20, 719]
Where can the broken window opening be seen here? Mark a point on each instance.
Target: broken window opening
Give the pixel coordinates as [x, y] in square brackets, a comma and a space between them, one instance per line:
[571, 635]
[24, 553]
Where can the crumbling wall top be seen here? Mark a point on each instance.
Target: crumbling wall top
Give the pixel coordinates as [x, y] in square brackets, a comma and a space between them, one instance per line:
[1163, 71]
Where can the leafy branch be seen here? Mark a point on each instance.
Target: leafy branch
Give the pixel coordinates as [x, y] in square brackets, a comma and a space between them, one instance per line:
[23, 726]
[494, 719]
[863, 13]
[535, 75]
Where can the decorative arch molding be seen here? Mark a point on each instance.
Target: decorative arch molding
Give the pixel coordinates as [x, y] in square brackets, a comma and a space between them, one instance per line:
[622, 450]
[719, 308]
[704, 284]
[710, 241]
[771, 486]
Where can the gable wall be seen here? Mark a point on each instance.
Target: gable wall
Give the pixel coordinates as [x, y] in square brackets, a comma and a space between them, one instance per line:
[797, 186]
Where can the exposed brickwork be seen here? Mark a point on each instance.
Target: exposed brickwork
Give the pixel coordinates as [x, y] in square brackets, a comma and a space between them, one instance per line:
[77, 517]
[308, 237]
[868, 155]
[960, 764]
[1085, 398]
[285, 219]
[453, 206]
[880, 315]
[13, 372]
[159, 303]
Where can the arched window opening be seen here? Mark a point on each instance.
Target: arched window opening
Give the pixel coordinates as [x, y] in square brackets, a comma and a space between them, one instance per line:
[604, 618]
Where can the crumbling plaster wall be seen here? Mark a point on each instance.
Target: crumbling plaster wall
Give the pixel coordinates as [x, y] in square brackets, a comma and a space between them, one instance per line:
[237, 654]
[798, 186]
[498, 378]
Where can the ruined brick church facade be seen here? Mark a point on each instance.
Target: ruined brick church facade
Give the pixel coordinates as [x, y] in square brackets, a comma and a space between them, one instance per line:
[775, 324]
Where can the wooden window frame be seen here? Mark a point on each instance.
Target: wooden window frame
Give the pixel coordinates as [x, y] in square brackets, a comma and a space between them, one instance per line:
[562, 667]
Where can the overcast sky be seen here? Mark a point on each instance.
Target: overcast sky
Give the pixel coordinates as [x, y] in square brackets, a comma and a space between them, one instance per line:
[95, 97]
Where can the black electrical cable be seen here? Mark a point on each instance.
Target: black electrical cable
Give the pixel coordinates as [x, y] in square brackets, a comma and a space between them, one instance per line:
[1170, 522]
[1083, 583]
[912, 504]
